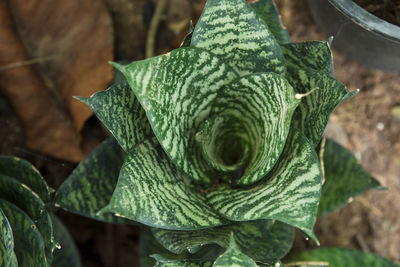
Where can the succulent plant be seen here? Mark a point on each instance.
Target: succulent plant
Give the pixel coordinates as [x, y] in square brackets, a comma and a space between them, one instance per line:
[222, 135]
[30, 232]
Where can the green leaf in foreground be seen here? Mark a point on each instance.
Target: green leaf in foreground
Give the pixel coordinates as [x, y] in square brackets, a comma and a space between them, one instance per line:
[29, 246]
[119, 110]
[6, 241]
[164, 262]
[67, 255]
[262, 240]
[27, 174]
[289, 193]
[341, 257]
[90, 186]
[152, 191]
[234, 257]
[24, 198]
[345, 178]
[236, 34]
[267, 11]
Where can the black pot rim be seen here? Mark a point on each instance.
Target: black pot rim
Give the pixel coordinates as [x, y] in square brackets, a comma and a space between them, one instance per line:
[367, 20]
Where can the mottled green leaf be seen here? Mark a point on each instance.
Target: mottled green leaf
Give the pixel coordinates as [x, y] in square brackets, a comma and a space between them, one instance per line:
[26, 173]
[90, 186]
[6, 241]
[119, 110]
[315, 55]
[28, 242]
[234, 32]
[152, 191]
[176, 90]
[24, 198]
[67, 254]
[338, 257]
[313, 113]
[289, 193]
[262, 240]
[234, 257]
[250, 122]
[267, 11]
[345, 178]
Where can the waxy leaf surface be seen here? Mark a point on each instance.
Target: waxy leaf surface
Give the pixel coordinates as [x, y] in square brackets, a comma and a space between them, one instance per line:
[234, 32]
[90, 186]
[289, 193]
[152, 191]
[26, 173]
[28, 242]
[345, 178]
[342, 257]
[262, 240]
[24, 198]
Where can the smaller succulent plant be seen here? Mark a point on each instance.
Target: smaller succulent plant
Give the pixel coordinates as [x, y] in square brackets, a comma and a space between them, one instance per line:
[218, 144]
[31, 235]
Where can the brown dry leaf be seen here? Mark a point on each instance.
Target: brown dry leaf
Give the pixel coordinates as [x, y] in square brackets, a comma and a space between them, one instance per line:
[74, 40]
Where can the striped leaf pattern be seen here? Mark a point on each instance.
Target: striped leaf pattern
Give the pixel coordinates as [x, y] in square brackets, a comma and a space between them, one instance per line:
[342, 257]
[262, 240]
[89, 187]
[119, 110]
[234, 257]
[29, 202]
[235, 33]
[315, 55]
[176, 95]
[152, 191]
[6, 241]
[268, 12]
[262, 128]
[25, 173]
[345, 178]
[290, 193]
[29, 246]
[314, 110]
[164, 262]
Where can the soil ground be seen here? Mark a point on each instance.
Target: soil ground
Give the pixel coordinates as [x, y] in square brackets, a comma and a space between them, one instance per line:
[368, 124]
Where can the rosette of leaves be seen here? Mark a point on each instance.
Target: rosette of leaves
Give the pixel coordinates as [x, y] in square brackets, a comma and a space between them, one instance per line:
[220, 136]
[30, 234]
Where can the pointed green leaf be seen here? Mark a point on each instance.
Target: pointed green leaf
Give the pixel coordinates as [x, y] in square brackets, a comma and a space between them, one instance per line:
[24, 198]
[29, 246]
[267, 11]
[188, 37]
[176, 91]
[90, 186]
[6, 241]
[342, 257]
[26, 173]
[152, 191]
[234, 32]
[345, 178]
[315, 55]
[67, 255]
[262, 240]
[314, 110]
[234, 257]
[289, 193]
[119, 110]
[251, 114]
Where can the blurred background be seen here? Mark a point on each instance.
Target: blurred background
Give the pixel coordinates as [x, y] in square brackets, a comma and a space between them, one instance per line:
[53, 50]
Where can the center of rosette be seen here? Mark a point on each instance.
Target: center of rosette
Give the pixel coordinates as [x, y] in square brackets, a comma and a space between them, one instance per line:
[225, 143]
